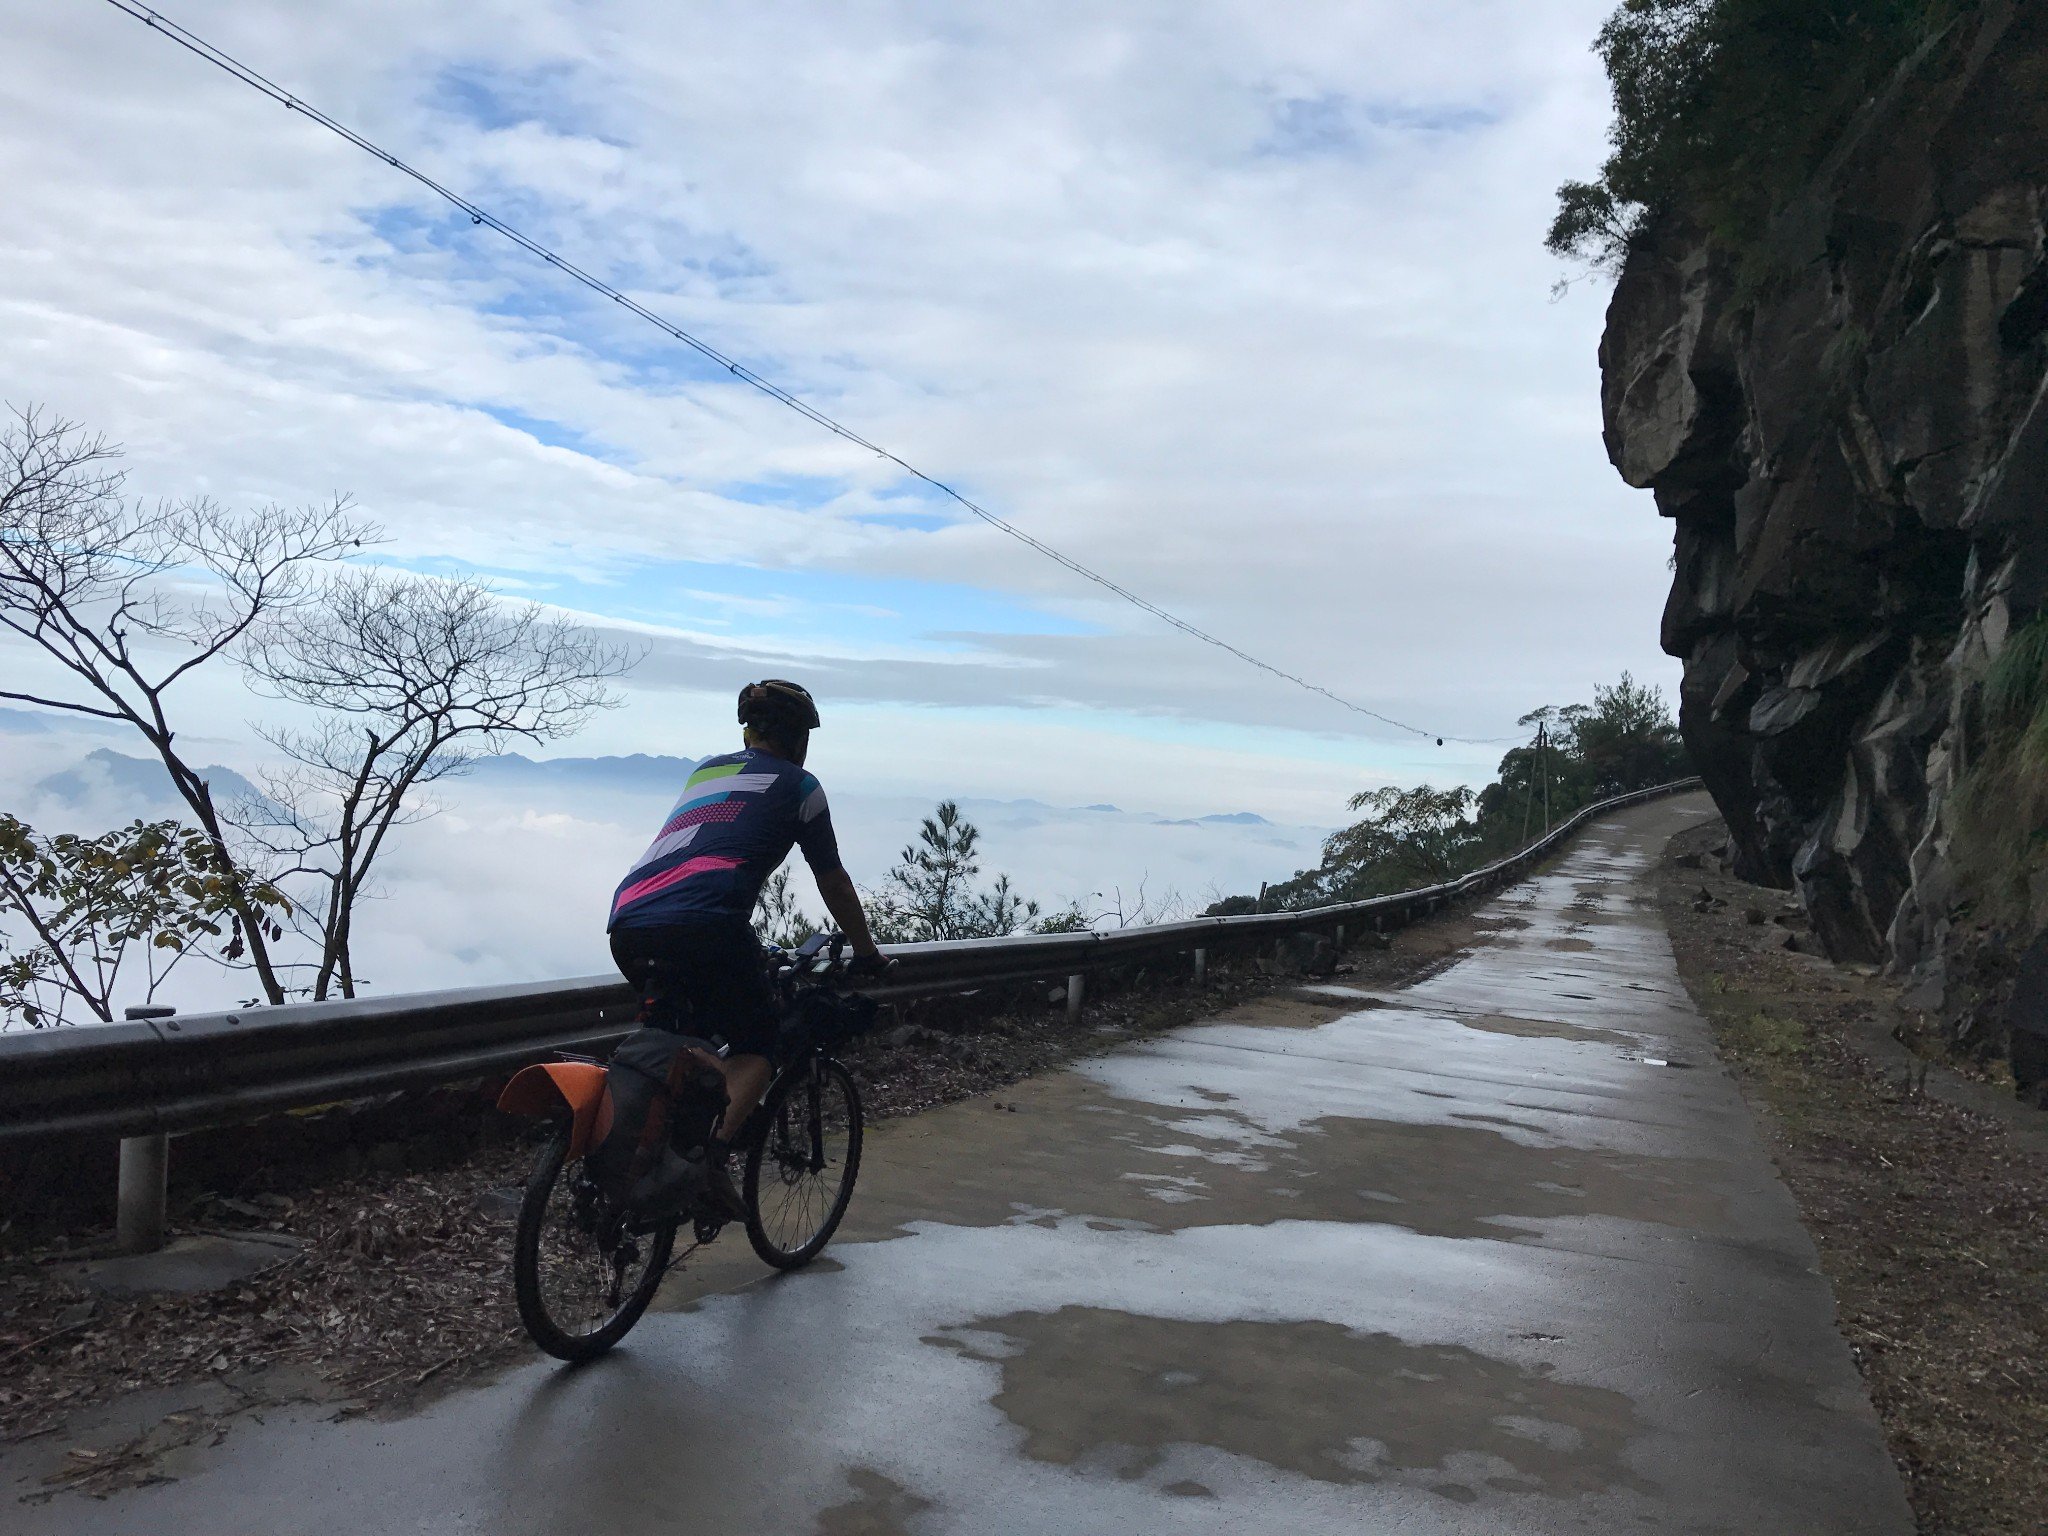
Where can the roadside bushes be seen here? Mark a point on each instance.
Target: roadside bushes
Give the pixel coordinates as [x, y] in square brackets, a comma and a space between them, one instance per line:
[1424, 835]
[2001, 804]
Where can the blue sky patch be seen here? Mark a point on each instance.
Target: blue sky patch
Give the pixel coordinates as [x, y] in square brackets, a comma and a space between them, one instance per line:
[551, 433]
[840, 610]
[499, 99]
[840, 607]
[1336, 124]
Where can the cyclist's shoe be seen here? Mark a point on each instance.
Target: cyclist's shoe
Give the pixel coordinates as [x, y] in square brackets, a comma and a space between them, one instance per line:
[721, 1194]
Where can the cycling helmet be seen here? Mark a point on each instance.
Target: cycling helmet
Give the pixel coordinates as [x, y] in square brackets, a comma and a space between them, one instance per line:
[774, 704]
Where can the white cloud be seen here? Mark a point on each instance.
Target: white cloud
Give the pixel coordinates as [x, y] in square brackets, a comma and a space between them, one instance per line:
[1243, 306]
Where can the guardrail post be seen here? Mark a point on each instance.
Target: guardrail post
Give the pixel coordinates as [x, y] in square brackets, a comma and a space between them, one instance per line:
[1076, 985]
[1340, 938]
[141, 1200]
[142, 1195]
[1201, 967]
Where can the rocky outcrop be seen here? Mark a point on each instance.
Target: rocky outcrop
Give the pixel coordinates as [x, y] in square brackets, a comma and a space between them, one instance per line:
[1848, 427]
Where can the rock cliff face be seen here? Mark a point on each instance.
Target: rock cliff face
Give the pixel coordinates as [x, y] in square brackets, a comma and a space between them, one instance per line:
[1849, 429]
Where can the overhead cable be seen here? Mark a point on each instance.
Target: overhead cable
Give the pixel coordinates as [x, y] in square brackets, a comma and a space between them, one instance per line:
[481, 216]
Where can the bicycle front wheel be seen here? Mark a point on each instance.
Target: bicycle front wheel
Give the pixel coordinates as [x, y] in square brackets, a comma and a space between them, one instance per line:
[582, 1276]
[800, 1170]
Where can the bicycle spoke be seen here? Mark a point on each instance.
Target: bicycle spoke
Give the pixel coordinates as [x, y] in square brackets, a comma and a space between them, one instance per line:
[803, 1174]
[584, 1272]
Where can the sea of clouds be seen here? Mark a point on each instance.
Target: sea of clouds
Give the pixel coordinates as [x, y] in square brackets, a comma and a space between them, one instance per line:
[510, 880]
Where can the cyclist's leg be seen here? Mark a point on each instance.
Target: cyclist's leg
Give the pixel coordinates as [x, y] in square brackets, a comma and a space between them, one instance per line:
[743, 1004]
[746, 1080]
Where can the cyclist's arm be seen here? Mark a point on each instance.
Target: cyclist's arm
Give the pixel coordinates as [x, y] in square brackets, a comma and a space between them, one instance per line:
[821, 851]
[843, 902]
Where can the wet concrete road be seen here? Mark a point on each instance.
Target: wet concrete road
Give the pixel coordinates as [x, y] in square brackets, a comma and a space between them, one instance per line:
[1496, 1253]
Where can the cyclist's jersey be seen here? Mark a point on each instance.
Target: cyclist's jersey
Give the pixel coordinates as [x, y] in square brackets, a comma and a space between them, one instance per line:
[736, 822]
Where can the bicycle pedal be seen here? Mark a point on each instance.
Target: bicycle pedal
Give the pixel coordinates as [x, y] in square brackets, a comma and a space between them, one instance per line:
[708, 1228]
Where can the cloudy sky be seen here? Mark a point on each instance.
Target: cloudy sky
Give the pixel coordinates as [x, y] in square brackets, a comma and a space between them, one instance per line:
[1244, 306]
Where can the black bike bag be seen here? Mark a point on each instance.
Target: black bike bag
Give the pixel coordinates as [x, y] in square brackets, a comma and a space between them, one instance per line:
[823, 1021]
[660, 1095]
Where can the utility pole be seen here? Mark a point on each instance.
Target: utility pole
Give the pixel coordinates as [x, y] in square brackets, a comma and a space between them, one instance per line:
[1543, 758]
[1529, 785]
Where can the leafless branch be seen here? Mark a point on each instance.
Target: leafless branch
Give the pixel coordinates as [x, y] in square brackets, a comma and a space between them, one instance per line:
[127, 599]
[414, 677]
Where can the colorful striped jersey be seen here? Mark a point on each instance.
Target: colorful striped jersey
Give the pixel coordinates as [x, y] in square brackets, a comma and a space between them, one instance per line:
[736, 822]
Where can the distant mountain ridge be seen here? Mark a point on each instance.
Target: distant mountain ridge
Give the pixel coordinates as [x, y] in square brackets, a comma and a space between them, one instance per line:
[140, 780]
[654, 773]
[144, 783]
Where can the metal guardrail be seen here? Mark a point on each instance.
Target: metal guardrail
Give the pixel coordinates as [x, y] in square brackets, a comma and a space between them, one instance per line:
[155, 1076]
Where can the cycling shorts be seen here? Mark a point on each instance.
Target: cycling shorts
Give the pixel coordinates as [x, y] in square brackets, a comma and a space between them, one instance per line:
[708, 982]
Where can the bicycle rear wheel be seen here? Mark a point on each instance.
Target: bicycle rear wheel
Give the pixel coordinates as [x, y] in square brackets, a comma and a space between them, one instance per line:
[800, 1169]
[582, 1276]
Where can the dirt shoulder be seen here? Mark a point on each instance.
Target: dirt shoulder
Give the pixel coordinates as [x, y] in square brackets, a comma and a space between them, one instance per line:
[1927, 1200]
[398, 1286]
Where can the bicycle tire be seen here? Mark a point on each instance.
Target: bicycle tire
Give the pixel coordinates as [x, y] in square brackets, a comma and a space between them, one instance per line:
[833, 1078]
[540, 1323]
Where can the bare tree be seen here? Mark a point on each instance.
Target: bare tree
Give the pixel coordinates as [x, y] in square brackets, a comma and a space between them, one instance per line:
[414, 678]
[125, 600]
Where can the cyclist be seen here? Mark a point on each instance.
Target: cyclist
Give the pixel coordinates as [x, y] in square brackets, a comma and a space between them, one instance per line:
[680, 922]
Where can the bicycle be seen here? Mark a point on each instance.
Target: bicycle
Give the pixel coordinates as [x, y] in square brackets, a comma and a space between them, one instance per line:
[584, 1267]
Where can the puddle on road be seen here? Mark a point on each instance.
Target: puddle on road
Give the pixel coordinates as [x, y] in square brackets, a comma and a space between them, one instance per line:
[1212, 1165]
[1282, 1012]
[1472, 1180]
[1545, 1029]
[880, 1506]
[1110, 1391]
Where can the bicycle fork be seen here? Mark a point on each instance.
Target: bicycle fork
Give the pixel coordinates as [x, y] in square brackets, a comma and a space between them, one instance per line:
[815, 1093]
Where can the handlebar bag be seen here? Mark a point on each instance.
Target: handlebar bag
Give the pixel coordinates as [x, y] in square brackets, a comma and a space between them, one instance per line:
[822, 1020]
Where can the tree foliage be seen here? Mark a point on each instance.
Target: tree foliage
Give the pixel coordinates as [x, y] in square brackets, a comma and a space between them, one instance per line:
[931, 893]
[1411, 837]
[1628, 739]
[1722, 107]
[85, 910]
[779, 918]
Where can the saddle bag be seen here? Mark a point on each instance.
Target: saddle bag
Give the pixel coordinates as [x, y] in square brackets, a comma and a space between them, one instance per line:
[661, 1096]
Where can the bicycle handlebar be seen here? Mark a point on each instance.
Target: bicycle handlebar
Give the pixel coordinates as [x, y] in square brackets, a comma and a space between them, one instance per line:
[822, 958]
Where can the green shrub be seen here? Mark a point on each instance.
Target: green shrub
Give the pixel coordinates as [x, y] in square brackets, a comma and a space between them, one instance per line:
[1723, 107]
[1999, 815]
